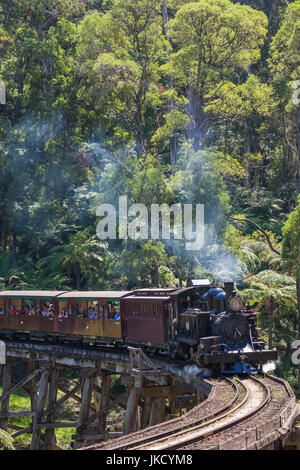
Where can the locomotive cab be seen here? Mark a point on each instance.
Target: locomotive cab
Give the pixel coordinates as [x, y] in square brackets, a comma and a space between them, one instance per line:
[217, 332]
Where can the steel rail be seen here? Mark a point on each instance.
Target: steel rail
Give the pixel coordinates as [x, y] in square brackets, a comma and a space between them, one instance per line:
[209, 417]
[183, 438]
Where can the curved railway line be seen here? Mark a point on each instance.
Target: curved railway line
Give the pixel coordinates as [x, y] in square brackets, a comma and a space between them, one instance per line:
[225, 394]
[253, 407]
[258, 428]
[253, 412]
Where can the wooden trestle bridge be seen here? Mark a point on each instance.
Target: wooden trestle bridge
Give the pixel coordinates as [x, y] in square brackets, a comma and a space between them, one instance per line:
[156, 388]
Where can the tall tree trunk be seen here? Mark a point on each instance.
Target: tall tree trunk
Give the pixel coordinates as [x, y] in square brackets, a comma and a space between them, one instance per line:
[270, 321]
[298, 299]
[198, 126]
[191, 125]
[298, 151]
[247, 150]
[173, 140]
[17, 111]
[77, 275]
[297, 194]
[155, 277]
[14, 250]
[139, 133]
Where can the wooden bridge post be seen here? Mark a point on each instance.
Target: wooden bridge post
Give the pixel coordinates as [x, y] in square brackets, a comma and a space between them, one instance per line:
[50, 436]
[97, 392]
[31, 366]
[132, 408]
[146, 410]
[157, 414]
[6, 381]
[42, 397]
[105, 389]
[87, 392]
[172, 400]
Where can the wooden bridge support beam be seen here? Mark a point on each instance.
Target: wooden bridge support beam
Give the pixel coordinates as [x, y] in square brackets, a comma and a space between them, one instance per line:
[31, 367]
[157, 414]
[50, 437]
[41, 401]
[104, 399]
[145, 400]
[97, 392]
[146, 411]
[130, 424]
[6, 381]
[87, 392]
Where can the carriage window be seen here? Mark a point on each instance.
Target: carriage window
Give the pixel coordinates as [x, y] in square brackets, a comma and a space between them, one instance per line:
[15, 306]
[63, 310]
[92, 310]
[28, 307]
[116, 314]
[103, 309]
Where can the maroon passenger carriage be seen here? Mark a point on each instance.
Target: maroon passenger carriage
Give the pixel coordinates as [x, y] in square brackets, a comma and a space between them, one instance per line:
[203, 324]
[62, 315]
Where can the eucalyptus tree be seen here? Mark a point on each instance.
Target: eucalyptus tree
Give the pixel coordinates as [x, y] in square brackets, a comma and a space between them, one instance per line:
[120, 53]
[285, 68]
[291, 253]
[215, 42]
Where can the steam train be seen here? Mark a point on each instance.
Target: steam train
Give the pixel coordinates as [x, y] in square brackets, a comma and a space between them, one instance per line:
[204, 324]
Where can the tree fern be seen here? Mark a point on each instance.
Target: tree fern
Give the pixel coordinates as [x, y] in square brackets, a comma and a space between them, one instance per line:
[6, 441]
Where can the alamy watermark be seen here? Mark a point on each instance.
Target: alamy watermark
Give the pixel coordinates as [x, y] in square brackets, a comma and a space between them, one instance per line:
[2, 353]
[136, 222]
[2, 93]
[296, 93]
[296, 353]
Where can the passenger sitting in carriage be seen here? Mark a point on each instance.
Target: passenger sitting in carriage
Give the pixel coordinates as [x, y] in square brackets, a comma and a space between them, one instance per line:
[44, 311]
[13, 310]
[31, 311]
[92, 313]
[25, 310]
[63, 314]
[51, 312]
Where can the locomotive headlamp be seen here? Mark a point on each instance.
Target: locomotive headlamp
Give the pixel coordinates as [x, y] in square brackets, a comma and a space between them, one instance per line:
[236, 304]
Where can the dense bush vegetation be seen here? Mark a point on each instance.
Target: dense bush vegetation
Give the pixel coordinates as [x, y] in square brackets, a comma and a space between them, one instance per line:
[164, 101]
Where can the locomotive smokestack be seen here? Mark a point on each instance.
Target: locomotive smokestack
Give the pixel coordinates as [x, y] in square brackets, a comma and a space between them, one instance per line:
[228, 288]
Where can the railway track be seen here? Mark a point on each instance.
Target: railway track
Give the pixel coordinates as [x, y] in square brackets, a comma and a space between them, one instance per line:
[258, 429]
[225, 394]
[254, 401]
[252, 396]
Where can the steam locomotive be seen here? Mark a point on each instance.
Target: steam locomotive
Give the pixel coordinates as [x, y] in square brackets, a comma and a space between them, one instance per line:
[204, 324]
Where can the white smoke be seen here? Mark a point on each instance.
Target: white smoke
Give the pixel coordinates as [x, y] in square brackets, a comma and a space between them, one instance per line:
[269, 366]
[193, 370]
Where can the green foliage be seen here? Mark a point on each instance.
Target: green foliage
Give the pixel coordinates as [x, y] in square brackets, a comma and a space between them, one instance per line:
[100, 95]
[291, 241]
[6, 441]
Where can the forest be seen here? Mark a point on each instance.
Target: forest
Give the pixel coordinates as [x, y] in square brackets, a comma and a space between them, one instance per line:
[165, 102]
